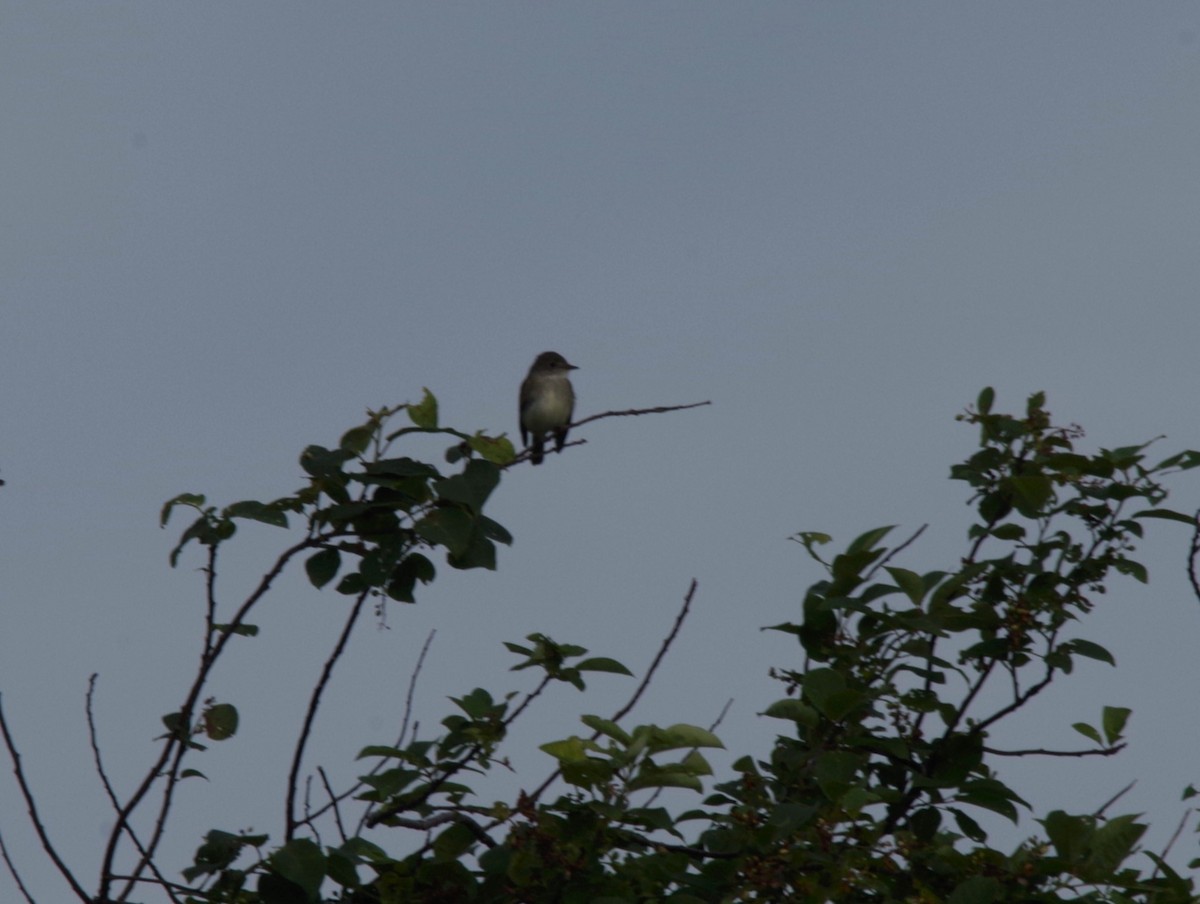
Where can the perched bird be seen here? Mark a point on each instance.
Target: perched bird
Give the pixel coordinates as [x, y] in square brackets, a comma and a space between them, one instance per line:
[547, 403]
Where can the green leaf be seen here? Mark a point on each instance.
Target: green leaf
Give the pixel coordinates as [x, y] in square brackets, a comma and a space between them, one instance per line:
[301, 863]
[1135, 570]
[446, 526]
[793, 710]
[453, 843]
[356, 439]
[472, 487]
[317, 461]
[1113, 720]
[607, 728]
[1089, 649]
[412, 568]
[256, 511]
[1087, 731]
[976, 890]
[1167, 515]
[602, 664]
[909, 582]
[679, 736]
[968, 826]
[868, 541]
[424, 413]
[192, 500]
[986, 397]
[220, 721]
[322, 566]
[496, 449]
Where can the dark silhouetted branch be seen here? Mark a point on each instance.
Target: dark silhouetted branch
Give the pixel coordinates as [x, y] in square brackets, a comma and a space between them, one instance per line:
[19, 772]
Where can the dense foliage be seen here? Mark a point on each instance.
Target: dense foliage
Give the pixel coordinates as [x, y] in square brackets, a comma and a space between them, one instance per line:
[877, 779]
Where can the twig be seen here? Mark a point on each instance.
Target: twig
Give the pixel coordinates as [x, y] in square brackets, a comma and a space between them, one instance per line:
[19, 772]
[310, 715]
[1107, 751]
[895, 552]
[662, 651]
[1192, 554]
[337, 814]
[108, 788]
[1116, 797]
[633, 412]
[1174, 837]
[629, 412]
[16, 876]
[430, 822]
[412, 684]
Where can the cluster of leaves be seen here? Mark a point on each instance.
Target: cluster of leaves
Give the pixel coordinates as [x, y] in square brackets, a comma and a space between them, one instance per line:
[872, 791]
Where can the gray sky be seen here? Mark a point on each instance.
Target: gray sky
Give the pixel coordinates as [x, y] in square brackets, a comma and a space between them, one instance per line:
[228, 228]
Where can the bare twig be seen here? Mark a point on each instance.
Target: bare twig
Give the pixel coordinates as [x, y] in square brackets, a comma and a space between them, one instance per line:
[47, 846]
[1116, 797]
[895, 552]
[662, 651]
[108, 788]
[1106, 751]
[12, 869]
[1174, 837]
[310, 715]
[412, 685]
[629, 412]
[333, 801]
[1193, 553]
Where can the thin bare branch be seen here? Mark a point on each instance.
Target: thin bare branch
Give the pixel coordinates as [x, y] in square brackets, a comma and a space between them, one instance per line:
[1174, 837]
[47, 846]
[108, 788]
[662, 651]
[1193, 553]
[310, 715]
[629, 412]
[1116, 797]
[895, 552]
[333, 802]
[1105, 751]
[412, 685]
[12, 869]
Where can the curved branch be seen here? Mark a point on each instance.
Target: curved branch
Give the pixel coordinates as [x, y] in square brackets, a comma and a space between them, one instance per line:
[19, 772]
[108, 788]
[291, 822]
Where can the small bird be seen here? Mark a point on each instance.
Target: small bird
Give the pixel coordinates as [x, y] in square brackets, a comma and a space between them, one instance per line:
[547, 403]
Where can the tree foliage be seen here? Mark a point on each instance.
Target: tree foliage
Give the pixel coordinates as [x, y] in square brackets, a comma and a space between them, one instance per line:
[878, 782]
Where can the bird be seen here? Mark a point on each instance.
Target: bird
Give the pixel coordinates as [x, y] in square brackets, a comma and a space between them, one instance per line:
[547, 403]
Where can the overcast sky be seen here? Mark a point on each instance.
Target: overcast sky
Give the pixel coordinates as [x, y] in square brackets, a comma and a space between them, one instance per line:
[228, 228]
